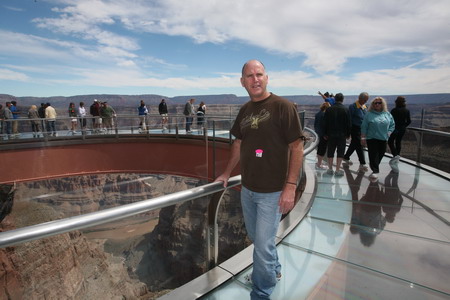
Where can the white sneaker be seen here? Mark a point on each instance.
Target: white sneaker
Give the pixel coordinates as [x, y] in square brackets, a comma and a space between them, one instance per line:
[363, 168]
[321, 167]
[373, 176]
[348, 161]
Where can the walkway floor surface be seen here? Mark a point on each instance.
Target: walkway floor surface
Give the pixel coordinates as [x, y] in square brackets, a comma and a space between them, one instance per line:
[388, 239]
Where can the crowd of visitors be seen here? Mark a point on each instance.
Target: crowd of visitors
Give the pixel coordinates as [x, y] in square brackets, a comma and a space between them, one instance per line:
[102, 115]
[374, 127]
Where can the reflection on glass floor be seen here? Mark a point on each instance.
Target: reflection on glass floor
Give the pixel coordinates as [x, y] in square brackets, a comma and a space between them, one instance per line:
[365, 240]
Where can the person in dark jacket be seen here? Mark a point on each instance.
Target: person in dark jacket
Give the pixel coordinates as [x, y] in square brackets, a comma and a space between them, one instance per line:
[163, 112]
[357, 112]
[402, 119]
[318, 128]
[337, 128]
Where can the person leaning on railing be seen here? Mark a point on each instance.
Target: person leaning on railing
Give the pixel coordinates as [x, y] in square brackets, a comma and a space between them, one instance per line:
[269, 168]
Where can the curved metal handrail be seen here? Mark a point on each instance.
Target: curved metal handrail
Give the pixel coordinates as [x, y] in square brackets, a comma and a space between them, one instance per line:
[38, 231]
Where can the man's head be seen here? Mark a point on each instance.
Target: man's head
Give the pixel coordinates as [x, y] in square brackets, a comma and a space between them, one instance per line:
[339, 97]
[255, 79]
[192, 100]
[363, 98]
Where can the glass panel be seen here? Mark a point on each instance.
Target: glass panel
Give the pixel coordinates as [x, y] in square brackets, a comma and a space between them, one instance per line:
[422, 261]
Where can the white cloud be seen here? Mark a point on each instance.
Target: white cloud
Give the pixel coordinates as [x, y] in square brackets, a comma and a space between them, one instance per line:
[6, 74]
[387, 81]
[103, 38]
[328, 33]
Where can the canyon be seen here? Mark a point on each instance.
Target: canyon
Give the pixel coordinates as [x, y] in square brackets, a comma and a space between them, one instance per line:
[141, 257]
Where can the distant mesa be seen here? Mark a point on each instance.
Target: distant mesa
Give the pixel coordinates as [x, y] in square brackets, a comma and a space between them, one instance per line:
[151, 99]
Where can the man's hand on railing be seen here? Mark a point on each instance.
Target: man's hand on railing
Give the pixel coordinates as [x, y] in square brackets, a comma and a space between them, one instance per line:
[223, 178]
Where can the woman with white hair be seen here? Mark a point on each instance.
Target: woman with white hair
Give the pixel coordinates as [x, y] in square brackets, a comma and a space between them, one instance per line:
[377, 126]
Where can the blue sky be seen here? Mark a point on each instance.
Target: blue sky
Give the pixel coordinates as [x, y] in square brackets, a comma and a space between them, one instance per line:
[197, 47]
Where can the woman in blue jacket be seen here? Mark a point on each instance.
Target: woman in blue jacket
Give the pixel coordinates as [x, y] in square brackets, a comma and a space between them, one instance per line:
[377, 126]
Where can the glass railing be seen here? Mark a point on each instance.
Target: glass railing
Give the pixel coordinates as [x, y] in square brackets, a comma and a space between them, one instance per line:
[120, 124]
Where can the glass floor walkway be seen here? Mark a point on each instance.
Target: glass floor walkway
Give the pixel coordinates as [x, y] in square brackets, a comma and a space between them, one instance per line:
[388, 239]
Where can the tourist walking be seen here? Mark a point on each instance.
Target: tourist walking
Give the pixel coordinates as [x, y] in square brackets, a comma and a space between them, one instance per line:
[376, 127]
[319, 129]
[402, 120]
[357, 112]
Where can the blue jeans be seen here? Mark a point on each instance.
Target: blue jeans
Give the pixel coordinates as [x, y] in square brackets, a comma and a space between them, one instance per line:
[189, 123]
[262, 217]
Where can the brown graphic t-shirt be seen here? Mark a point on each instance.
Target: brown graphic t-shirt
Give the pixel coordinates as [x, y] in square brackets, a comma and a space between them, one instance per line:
[266, 128]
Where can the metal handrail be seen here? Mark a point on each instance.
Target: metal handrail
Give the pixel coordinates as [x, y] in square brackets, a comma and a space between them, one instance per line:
[38, 231]
[434, 132]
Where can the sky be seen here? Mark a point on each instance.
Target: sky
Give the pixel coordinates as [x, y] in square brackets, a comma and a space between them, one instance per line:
[197, 47]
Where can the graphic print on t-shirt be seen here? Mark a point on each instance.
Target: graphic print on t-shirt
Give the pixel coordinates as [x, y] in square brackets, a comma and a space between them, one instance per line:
[253, 121]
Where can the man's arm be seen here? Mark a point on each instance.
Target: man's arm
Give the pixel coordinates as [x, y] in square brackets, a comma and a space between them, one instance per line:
[287, 197]
[232, 162]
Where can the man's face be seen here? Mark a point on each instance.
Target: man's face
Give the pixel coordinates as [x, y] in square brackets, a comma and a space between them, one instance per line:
[254, 79]
[363, 100]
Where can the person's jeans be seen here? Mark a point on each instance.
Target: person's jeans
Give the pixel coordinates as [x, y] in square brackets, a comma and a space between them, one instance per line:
[262, 217]
[51, 127]
[189, 123]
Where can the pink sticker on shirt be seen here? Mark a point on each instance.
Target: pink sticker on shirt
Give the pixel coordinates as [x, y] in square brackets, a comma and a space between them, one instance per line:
[259, 152]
